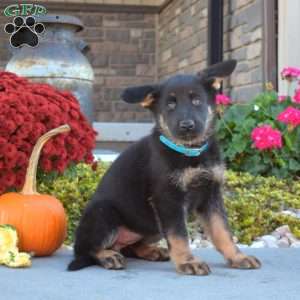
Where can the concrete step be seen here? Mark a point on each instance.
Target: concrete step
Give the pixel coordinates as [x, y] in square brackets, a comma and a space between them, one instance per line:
[47, 279]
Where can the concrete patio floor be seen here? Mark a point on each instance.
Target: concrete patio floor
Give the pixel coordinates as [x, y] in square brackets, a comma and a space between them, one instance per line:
[48, 279]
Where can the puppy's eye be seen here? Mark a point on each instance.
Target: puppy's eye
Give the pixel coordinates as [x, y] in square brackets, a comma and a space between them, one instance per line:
[171, 103]
[196, 101]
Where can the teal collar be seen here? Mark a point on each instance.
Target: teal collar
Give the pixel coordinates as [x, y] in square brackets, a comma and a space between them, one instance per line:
[191, 152]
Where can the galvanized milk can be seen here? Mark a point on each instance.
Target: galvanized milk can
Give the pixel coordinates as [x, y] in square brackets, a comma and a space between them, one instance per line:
[58, 60]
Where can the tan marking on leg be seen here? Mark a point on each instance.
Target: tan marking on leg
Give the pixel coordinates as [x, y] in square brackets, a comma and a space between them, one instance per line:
[179, 250]
[183, 258]
[223, 242]
[221, 237]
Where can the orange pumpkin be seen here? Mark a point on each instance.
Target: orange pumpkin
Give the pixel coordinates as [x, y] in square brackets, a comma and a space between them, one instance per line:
[40, 220]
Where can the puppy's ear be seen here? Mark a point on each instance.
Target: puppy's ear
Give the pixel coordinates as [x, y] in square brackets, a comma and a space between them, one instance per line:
[213, 76]
[145, 94]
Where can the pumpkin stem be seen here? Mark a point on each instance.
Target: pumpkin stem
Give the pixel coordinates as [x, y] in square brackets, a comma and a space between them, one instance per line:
[29, 187]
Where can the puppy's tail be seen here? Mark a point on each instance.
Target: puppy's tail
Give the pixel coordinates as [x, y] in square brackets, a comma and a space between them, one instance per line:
[81, 262]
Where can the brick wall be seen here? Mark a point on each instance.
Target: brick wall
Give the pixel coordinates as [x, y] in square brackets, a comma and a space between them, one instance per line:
[182, 37]
[4, 44]
[243, 27]
[183, 42]
[122, 52]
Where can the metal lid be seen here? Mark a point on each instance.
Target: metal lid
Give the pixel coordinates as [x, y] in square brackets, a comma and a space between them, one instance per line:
[63, 19]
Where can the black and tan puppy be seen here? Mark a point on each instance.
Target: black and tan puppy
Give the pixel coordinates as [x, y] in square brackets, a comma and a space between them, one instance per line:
[149, 190]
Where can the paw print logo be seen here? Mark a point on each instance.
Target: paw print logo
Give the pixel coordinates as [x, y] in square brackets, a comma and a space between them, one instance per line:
[24, 31]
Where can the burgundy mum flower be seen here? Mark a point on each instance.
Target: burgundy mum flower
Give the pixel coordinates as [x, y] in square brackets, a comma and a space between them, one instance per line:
[27, 111]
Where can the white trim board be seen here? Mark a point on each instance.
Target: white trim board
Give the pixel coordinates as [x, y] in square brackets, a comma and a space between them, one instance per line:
[121, 132]
[288, 38]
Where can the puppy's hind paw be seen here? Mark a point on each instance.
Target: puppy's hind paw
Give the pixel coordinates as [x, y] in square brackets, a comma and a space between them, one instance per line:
[111, 260]
[157, 254]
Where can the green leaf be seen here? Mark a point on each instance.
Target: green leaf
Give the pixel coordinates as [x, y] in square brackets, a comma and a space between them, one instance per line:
[294, 165]
[239, 143]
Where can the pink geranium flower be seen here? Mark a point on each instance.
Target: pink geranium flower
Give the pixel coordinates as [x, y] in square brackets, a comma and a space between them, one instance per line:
[222, 99]
[296, 97]
[265, 137]
[281, 98]
[290, 116]
[290, 73]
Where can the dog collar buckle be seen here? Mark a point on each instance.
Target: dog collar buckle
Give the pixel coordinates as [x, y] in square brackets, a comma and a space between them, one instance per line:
[190, 152]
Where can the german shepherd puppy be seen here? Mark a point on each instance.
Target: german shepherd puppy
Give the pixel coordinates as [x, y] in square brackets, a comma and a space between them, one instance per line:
[149, 190]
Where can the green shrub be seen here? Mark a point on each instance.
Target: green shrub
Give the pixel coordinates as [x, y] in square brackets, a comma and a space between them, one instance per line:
[74, 188]
[252, 202]
[234, 133]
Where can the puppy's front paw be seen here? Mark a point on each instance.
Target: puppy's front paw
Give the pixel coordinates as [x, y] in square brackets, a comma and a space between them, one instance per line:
[193, 268]
[242, 261]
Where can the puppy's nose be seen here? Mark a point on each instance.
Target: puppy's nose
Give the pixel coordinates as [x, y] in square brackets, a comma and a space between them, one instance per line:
[186, 125]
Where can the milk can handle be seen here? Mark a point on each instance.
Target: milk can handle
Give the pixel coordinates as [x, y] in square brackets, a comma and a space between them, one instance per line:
[82, 45]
